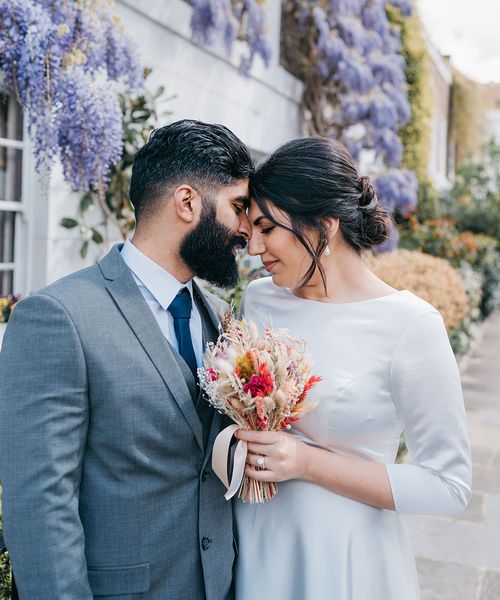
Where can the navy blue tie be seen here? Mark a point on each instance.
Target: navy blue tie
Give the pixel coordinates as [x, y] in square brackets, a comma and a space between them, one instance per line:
[180, 309]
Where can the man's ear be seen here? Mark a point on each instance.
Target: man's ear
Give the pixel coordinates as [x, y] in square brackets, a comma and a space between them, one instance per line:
[187, 202]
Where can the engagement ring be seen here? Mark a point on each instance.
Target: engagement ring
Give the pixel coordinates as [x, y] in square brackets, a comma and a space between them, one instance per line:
[261, 461]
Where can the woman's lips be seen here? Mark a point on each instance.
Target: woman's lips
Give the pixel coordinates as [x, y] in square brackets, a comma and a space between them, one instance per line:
[269, 264]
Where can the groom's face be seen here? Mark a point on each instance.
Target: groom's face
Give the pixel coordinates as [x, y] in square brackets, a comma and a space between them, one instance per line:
[210, 249]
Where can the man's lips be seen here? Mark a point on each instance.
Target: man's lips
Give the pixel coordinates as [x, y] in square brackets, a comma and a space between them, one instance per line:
[269, 264]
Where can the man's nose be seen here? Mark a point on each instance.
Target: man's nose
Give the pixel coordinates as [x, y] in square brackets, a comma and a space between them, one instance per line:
[245, 228]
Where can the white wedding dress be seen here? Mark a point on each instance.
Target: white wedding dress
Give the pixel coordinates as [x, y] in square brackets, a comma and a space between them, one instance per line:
[386, 365]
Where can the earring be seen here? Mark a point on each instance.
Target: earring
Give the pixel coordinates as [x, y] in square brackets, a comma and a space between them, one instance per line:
[326, 251]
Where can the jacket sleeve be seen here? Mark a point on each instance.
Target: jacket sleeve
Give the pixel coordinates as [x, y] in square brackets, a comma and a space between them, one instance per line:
[427, 393]
[43, 426]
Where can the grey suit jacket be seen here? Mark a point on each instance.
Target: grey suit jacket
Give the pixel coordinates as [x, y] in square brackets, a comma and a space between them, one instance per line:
[107, 488]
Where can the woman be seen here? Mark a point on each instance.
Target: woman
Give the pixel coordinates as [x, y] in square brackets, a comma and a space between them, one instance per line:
[334, 529]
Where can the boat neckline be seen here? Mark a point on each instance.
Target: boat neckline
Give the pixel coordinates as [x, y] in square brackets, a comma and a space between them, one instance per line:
[356, 303]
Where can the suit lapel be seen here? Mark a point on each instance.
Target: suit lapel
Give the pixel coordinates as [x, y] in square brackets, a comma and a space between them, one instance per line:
[127, 296]
[200, 297]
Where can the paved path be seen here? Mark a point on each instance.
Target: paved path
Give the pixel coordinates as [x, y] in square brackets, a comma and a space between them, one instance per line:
[459, 558]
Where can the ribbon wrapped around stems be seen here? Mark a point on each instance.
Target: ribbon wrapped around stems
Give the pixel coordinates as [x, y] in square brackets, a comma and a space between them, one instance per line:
[249, 490]
[220, 456]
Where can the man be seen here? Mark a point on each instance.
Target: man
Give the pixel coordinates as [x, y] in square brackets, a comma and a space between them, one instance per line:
[104, 438]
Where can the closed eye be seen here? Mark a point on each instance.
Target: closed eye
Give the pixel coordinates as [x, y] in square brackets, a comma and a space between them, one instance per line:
[268, 229]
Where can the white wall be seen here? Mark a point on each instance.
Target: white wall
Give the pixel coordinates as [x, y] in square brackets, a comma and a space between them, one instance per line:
[441, 79]
[263, 109]
[493, 125]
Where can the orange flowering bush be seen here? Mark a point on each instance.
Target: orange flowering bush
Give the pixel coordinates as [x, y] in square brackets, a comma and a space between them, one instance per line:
[463, 249]
[440, 237]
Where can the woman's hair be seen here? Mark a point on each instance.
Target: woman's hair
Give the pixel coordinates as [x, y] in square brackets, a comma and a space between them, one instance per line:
[311, 179]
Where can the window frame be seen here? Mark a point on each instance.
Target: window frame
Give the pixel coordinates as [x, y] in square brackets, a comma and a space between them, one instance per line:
[20, 267]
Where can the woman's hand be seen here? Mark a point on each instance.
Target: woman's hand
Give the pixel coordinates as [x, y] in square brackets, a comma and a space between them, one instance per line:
[283, 455]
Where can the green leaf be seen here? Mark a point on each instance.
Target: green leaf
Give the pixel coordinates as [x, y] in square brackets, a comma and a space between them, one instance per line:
[86, 202]
[84, 249]
[68, 223]
[97, 237]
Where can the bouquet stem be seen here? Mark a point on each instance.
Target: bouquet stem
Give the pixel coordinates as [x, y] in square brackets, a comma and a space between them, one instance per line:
[253, 491]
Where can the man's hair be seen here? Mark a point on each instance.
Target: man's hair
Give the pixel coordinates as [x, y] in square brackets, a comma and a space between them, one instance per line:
[203, 155]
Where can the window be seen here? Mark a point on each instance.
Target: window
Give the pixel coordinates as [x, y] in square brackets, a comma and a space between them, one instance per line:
[12, 207]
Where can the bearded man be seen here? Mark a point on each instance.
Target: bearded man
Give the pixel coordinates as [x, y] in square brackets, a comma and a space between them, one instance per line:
[104, 436]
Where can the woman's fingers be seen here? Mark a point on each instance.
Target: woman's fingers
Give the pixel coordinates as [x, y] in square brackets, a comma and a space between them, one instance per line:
[259, 460]
[264, 449]
[258, 437]
[254, 473]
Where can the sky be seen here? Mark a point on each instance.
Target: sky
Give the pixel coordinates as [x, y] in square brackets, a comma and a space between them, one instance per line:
[469, 31]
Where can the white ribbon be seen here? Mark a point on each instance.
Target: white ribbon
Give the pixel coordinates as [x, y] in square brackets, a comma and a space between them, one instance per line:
[220, 455]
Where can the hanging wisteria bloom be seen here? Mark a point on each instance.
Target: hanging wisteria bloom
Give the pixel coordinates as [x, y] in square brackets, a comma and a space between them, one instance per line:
[66, 63]
[399, 190]
[363, 77]
[226, 21]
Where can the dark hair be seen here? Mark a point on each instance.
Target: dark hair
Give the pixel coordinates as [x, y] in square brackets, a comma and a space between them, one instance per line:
[314, 178]
[202, 154]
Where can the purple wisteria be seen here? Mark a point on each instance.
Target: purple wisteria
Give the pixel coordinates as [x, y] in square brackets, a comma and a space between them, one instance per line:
[229, 20]
[363, 73]
[399, 190]
[66, 63]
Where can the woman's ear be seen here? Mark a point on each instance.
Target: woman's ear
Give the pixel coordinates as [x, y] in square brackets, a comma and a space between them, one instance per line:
[332, 226]
[187, 203]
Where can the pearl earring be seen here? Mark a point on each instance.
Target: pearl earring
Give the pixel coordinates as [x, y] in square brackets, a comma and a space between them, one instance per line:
[326, 251]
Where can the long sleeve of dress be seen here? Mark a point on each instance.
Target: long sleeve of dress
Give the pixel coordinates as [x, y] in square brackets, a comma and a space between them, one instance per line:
[427, 394]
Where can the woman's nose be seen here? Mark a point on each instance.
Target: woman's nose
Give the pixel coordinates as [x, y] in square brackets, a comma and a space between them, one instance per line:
[255, 247]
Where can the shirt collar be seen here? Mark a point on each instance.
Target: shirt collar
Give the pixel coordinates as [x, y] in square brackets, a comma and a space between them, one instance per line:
[162, 284]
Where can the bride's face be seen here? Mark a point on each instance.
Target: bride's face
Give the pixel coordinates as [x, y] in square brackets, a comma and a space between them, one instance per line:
[281, 252]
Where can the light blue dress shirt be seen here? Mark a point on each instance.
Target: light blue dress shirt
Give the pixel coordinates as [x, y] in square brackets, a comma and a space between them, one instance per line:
[159, 288]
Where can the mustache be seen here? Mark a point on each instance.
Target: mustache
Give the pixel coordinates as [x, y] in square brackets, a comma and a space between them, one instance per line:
[238, 240]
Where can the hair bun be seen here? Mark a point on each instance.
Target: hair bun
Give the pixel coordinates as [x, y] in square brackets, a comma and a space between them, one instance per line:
[367, 192]
[376, 221]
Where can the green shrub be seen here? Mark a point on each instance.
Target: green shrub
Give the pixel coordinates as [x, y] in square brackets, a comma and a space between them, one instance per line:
[474, 200]
[441, 237]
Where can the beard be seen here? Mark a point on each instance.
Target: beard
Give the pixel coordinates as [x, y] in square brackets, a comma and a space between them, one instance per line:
[208, 250]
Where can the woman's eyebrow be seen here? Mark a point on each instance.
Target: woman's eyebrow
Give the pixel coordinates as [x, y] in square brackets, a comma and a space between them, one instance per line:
[259, 219]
